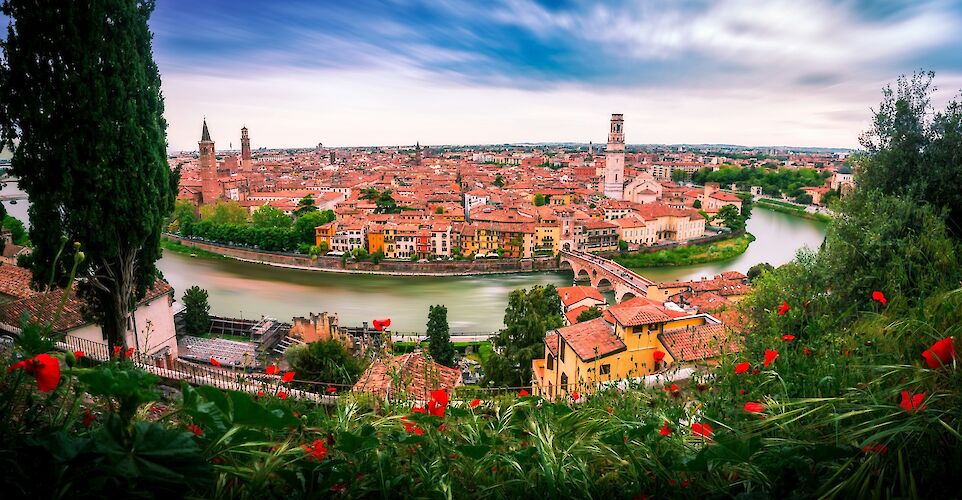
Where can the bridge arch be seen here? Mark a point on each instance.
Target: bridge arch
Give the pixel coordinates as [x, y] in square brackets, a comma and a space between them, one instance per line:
[582, 275]
[626, 296]
[604, 284]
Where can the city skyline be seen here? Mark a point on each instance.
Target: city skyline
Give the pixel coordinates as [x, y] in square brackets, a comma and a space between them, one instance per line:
[733, 72]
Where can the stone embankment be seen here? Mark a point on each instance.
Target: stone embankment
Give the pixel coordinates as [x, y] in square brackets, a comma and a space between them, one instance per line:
[391, 267]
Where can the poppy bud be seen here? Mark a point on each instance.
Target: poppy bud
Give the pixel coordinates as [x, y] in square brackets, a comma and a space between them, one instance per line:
[79, 257]
[76, 245]
[70, 359]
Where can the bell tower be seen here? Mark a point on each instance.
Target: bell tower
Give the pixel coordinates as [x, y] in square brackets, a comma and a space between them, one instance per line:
[245, 149]
[210, 189]
[615, 159]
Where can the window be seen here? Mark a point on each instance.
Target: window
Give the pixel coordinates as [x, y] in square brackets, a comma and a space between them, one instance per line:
[605, 369]
[561, 348]
[550, 362]
[564, 382]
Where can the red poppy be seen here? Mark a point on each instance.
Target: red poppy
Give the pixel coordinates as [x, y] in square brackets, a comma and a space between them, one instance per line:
[665, 430]
[195, 429]
[474, 403]
[331, 389]
[317, 450]
[807, 351]
[912, 402]
[418, 409]
[658, 355]
[879, 297]
[130, 352]
[116, 350]
[788, 337]
[879, 448]
[742, 367]
[782, 309]
[88, 418]
[575, 396]
[703, 430]
[78, 354]
[297, 414]
[523, 392]
[272, 370]
[770, 356]
[288, 377]
[610, 410]
[44, 368]
[673, 388]
[753, 407]
[941, 353]
[260, 394]
[214, 362]
[741, 392]
[338, 487]
[439, 400]
[281, 395]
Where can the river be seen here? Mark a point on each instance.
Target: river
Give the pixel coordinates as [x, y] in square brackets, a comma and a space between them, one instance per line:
[475, 303]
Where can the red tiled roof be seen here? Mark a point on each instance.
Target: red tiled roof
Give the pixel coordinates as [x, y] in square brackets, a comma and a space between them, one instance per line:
[695, 343]
[641, 311]
[592, 339]
[552, 342]
[409, 375]
[15, 281]
[572, 315]
[573, 294]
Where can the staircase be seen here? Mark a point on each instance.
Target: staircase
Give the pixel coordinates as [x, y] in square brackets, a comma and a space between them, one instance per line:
[285, 343]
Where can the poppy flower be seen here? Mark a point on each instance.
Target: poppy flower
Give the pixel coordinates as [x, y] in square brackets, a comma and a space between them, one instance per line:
[788, 337]
[879, 297]
[702, 430]
[610, 410]
[272, 370]
[753, 407]
[665, 430]
[575, 396]
[438, 402]
[214, 362]
[783, 308]
[88, 418]
[338, 487]
[878, 448]
[288, 377]
[658, 355]
[130, 352]
[807, 351]
[281, 395]
[941, 353]
[741, 392]
[78, 354]
[742, 367]
[474, 403]
[673, 388]
[116, 350]
[317, 450]
[260, 394]
[44, 368]
[195, 429]
[523, 393]
[912, 402]
[331, 389]
[770, 356]
[297, 414]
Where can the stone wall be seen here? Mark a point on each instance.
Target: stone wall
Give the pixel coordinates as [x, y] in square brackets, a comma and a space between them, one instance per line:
[394, 267]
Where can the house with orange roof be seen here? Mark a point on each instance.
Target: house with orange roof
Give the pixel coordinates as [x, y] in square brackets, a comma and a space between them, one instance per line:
[578, 298]
[407, 377]
[632, 340]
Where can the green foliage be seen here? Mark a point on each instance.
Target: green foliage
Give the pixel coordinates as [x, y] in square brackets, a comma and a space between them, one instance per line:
[772, 180]
[377, 257]
[17, 232]
[913, 150]
[498, 181]
[439, 210]
[679, 175]
[792, 209]
[182, 218]
[224, 212]
[325, 361]
[438, 334]
[305, 226]
[539, 200]
[305, 205]
[804, 199]
[689, 254]
[90, 145]
[268, 216]
[264, 238]
[197, 313]
[758, 270]
[696, 205]
[530, 313]
[359, 254]
[622, 246]
[730, 217]
[589, 314]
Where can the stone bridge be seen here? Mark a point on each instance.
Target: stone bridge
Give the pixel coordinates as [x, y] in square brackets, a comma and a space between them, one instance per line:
[605, 275]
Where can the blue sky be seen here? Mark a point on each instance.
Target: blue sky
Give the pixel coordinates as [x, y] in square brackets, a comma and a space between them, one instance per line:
[357, 72]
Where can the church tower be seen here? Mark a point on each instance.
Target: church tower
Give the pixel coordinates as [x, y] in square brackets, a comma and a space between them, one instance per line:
[615, 159]
[210, 188]
[417, 153]
[245, 150]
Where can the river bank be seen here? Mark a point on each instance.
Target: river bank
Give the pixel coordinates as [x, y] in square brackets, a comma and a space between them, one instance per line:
[790, 209]
[700, 253]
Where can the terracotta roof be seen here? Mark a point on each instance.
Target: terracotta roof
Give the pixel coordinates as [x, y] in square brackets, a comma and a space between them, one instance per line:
[573, 294]
[15, 281]
[708, 301]
[592, 339]
[641, 311]
[407, 375]
[572, 315]
[695, 343]
[552, 342]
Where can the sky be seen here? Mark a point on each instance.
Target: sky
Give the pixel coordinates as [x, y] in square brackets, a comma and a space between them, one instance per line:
[358, 72]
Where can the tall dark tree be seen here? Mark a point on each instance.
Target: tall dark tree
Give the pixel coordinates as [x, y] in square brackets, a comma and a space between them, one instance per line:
[441, 348]
[305, 205]
[80, 104]
[197, 313]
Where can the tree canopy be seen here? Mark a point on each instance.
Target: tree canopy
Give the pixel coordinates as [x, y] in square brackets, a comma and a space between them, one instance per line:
[81, 107]
[325, 361]
[197, 313]
[530, 313]
[439, 336]
[268, 216]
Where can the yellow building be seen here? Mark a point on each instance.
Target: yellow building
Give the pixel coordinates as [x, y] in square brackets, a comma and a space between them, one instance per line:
[636, 338]
[325, 233]
[547, 235]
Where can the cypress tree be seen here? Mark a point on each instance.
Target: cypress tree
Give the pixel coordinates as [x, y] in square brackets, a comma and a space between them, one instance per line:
[81, 106]
[441, 348]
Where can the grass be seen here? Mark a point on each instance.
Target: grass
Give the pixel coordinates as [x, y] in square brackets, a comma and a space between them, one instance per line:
[791, 209]
[688, 255]
[177, 247]
[482, 348]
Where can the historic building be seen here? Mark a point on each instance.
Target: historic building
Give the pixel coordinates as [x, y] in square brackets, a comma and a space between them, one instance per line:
[211, 190]
[245, 150]
[615, 159]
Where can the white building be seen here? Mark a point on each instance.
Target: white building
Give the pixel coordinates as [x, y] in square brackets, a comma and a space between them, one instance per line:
[615, 159]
